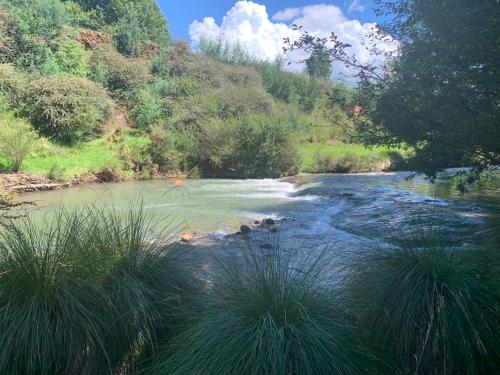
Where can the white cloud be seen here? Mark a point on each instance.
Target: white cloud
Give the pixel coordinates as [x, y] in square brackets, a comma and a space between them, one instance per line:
[356, 6]
[249, 24]
[287, 14]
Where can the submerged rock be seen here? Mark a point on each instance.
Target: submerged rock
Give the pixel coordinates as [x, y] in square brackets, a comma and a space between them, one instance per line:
[186, 237]
[245, 229]
[268, 221]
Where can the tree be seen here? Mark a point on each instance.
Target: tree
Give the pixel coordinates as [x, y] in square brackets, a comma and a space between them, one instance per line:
[439, 95]
[319, 64]
[442, 97]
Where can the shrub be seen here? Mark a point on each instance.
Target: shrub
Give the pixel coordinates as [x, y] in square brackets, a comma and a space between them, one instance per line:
[83, 292]
[148, 108]
[8, 37]
[234, 101]
[71, 58]
[435, 308]
[12, 85]
[121, 73]
[68, 108]
[165, 151]
[17, 139]
[251, 147]
[268, 311]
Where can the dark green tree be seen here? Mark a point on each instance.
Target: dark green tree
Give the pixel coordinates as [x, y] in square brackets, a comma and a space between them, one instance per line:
[319, 64]
[439, 94]
[442, 97]
[141, 23]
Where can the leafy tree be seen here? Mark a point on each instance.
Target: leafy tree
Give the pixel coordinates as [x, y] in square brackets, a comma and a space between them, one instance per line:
[442, 97]
[32, 26]
[439, 94]
[319, 64]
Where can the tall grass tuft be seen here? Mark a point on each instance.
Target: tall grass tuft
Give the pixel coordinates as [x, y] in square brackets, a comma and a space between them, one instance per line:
[82, 293]
[269, 311]
[434, 307]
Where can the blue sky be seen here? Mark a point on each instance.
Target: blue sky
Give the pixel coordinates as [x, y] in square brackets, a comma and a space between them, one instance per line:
[181, 14]
[260, 26]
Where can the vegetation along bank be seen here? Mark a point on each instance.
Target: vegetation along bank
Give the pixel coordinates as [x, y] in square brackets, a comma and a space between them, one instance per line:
[102, 93]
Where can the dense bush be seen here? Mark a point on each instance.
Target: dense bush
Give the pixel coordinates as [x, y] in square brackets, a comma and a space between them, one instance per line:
[267, 312]
[68, 108]
[251, 147]
[434, 308]
[71, 58]
[166, 150]
[8, 37]
[17, 140]
[148, 108]
[118, 72]
[233, 101]
[84, 292]
[12, 84]
[34, 25]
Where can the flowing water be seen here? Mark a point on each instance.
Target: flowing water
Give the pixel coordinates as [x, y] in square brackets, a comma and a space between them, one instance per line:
[321, 208]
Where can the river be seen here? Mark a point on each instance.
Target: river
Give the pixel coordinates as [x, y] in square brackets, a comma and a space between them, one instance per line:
[318, 208]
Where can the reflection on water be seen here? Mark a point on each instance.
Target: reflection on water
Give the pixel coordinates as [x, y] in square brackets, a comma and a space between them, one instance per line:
[318, 207]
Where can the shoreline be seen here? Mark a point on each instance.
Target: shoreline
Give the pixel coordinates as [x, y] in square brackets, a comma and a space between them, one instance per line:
[26, 183]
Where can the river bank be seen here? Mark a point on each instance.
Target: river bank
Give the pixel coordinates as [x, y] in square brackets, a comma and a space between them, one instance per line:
[317, 207]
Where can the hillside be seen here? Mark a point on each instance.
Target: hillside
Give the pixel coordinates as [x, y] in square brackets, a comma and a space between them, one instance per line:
[97, 90]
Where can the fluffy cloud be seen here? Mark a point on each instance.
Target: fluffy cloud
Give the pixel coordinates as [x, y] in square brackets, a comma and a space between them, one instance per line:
[356, 6]
[249, 24]
[287, 14]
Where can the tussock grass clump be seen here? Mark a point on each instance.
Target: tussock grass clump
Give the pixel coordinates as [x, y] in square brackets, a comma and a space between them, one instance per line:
[435, 308]
[267, 312]
[83, 292]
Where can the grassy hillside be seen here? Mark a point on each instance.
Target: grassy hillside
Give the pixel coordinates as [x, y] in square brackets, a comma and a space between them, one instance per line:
[88, 87]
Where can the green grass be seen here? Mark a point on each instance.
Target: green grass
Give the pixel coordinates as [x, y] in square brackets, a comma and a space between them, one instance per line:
[433, 308]
[87, 291]
[321, 157]
[68, 162]
[267, 313]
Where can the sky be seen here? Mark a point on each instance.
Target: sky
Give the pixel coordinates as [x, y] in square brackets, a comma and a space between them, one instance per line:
[181, 14]
[260, 25]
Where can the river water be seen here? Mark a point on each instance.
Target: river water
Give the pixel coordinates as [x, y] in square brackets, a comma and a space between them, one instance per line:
[345, 208]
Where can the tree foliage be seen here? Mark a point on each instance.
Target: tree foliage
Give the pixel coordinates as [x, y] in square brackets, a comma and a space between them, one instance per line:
[439, 93]
[319, 64]
[442, 97]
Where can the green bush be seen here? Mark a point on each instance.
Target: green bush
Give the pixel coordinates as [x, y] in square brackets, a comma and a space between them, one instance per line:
[167, 151]
[37, 18]
[119, 72]
[34, 24]
[68, 108]
[147, 109]
[17, 140]
[433, 307]
[84, 292]
[252, 147]
[71, 58]
[234, 101]
[9, 47]
[12, 84]
[266, 312]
